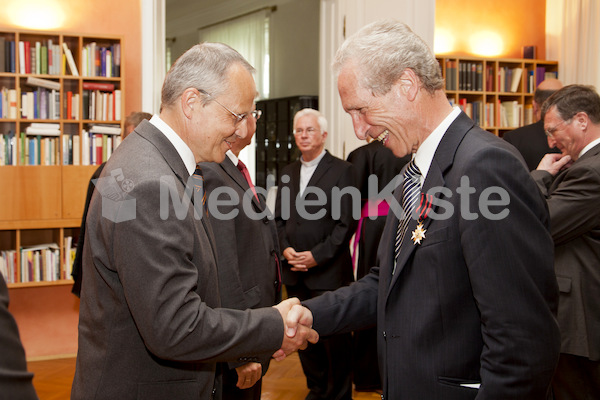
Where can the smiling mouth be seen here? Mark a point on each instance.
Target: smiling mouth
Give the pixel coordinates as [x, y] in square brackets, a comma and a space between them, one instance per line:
[383, 136]
[228, 143]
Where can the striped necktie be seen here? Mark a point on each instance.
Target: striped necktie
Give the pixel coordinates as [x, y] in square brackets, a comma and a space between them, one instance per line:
[198, 180]
[410, 195]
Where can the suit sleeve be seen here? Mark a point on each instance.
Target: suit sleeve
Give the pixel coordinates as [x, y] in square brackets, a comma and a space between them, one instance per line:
[154, 257]
[571, 213]
[15, 381]
[510, 266]
[344, 226]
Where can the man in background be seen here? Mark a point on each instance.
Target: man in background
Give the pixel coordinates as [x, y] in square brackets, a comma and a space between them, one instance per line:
[248, 255]
[131, 122]
[316, 246]
[371, 160]
[570, 182]
[151, 324]
[530, 140]
[464, 293]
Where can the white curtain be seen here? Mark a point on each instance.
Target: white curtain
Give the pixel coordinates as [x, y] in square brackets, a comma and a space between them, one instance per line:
[249, 35]
[573, 38]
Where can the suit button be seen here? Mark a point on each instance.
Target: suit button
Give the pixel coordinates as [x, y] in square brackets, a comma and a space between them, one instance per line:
[384, 335]
[266, 220]
[275, 283]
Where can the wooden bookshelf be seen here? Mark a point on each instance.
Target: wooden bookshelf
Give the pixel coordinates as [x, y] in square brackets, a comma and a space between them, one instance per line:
[45, 181]
[495, 93]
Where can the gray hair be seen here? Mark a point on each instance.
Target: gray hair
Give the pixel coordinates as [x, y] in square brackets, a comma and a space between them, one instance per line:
[204, 66]
[573, 99]
[382, 51]
[311, 111]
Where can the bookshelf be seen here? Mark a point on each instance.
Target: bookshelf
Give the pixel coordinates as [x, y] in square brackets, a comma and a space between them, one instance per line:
[60, 118]
[496, 93]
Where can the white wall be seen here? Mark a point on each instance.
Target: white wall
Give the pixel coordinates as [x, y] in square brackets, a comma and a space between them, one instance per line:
[340, 19]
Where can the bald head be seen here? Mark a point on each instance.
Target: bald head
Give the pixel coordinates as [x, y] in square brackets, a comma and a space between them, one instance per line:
[550, 84]
[544, 90]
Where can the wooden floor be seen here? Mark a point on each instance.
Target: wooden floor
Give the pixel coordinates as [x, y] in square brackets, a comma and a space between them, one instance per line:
[284, 380]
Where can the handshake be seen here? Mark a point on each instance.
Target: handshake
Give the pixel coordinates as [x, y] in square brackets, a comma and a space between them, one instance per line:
[298, 330]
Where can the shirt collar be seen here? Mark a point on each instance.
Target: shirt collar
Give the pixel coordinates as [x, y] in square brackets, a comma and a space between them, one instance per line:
[184, 151]
[589, 147]
[234, 159]
[424, 155]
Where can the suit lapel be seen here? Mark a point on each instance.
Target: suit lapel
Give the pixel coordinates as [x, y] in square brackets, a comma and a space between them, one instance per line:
[320, 170]
[240, 179]
[173, 159]
[442, 161]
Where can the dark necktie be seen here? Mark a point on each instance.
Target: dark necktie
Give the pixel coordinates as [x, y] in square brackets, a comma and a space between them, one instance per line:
[242, 167]
[410, 195]
[198, 180]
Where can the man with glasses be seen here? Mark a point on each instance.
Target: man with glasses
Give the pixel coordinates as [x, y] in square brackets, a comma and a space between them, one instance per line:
[315, 246]
[151, 324]
[248, 254]
[530, 139]
[571, 184]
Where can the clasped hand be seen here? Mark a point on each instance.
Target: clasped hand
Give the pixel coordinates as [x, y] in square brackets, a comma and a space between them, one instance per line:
[299, 261]
[298, 330]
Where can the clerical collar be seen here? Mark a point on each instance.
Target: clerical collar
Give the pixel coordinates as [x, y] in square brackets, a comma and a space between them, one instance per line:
[314, 162]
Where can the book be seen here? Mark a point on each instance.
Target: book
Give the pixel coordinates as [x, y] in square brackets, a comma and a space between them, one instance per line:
[516, 79]
[106, 87]
[105, 129]
[70, 60]
[45, 83]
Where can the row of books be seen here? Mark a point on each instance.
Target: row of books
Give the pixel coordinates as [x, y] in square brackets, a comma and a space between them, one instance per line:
[40, 104]
[39, 57]
[39, 263]
[504, 114]
[101, 106]
[101, 60]
[40, 146]
[470, 76]
[45, 57]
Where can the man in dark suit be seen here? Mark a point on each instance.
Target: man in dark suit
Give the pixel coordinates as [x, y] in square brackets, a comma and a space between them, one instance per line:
[530, 140]
[370, 160]
[464, 294]
[571, 184]
[248, 254]
[150, 322]
[15, 381]
[315, 244]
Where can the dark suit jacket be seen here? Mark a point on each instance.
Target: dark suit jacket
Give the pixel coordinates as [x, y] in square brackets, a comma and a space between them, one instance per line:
[15, 381]
[373, 159]
[149, 324]
[475, 301]
[247, 247]
[573, 198]
[531, 142]
[327, 238]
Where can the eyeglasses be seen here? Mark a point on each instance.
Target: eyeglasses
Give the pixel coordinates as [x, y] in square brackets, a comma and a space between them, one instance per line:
[238, 117]
[550, 132]
[309, 131]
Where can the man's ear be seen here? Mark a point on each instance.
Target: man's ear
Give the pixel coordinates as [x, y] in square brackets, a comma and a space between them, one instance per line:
[408, 84]
[189, 99]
